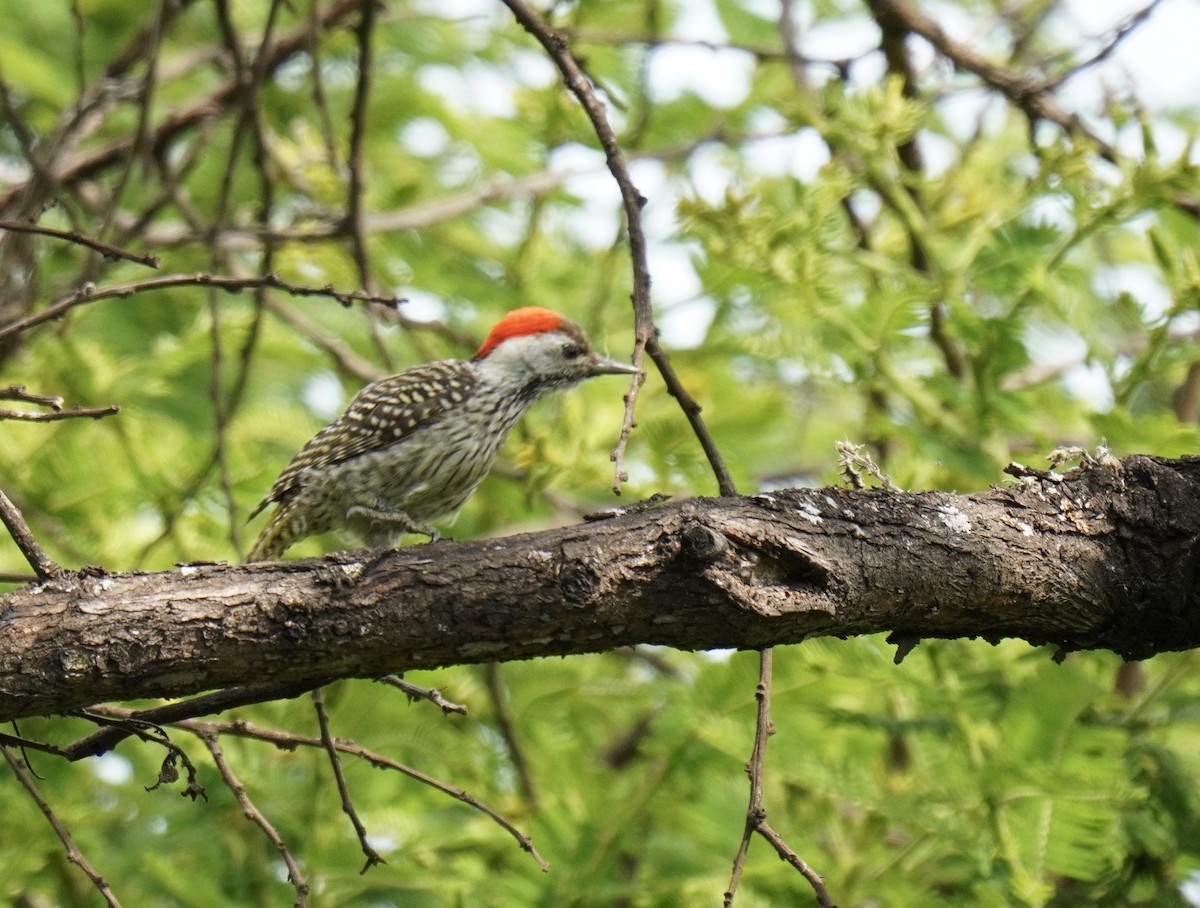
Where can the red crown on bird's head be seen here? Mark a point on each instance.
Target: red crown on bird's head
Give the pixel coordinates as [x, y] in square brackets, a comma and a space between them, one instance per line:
[518, 323]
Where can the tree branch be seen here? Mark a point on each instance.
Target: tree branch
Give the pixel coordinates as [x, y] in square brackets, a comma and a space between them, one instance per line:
[646, 333]
[15, 523]
[1103, 558]
[87, 164]
[256, 816]
[90, 293]
[1033, 96]
[243, 695]
[335, 763]
[108, 250]
[59, 415]
[288, 741]
[74, 855]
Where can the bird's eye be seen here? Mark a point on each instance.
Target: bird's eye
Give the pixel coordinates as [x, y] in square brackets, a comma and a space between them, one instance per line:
[572, 351]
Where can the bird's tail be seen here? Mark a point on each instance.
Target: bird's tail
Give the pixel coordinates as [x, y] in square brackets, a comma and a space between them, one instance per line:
[279, 533]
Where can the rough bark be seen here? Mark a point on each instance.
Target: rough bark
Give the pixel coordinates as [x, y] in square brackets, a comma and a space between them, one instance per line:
[1103, 558]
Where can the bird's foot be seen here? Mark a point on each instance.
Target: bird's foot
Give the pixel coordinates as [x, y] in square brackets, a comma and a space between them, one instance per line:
[383, 525]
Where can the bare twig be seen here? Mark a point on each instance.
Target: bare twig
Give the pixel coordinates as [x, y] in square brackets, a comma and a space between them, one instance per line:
[785, 853]
[289, 741]
[74, 855]
[172, 713]
[90, 293]
[335, 762]
[255, 816]
[154, 734]
[432, 694]
[756, 811]
[1122, 31]
[108, 250]
[424, 214]
[894, 44]
[30, 744]
[141, 151]
[248, 125]
[320, 99]
[19, 392]
[73, 413]
[453, 791]
[181, 120]
[31, 198]
[646, 334]
[358, 132]
[1031, 96]
[11, 517]
[508, 731]
[78, 21]
[355, 189]
[320, 228]
[339, 351]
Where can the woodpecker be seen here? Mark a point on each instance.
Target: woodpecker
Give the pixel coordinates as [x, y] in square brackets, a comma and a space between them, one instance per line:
[413, 447]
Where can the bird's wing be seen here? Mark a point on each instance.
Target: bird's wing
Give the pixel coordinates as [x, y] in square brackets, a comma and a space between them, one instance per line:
[380, 415]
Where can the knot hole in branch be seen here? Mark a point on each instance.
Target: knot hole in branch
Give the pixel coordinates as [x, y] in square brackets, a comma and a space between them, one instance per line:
[702, 543]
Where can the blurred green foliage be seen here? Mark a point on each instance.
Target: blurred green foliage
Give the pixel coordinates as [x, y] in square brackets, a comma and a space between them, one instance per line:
[1064, 288]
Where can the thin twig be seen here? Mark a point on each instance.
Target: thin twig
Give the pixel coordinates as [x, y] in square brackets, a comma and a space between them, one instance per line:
[320, 99]
[1027, 94]
[432, 694]
[339, 351]
[508, 731]
[330, 745]
[756, 811]
[358, 132]
[355, 217]
[90, 293]
[325, 227]
[152, 733]
[453, 791]
[107, 738]
[57, 415]
[79, 22]
[645, 331]
[34, 194]
[248, 124]
[320, 228]
[108, 250]
[289, 741]
[141, 150]
[785, 853]
[19, 392]
[894, 44]
[10, 515]
[1122, 31]
[30, 744]
[179, 121]
[255, 816]
[74, 855]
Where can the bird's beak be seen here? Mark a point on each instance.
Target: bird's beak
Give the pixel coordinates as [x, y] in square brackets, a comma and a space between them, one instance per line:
[602, 365]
